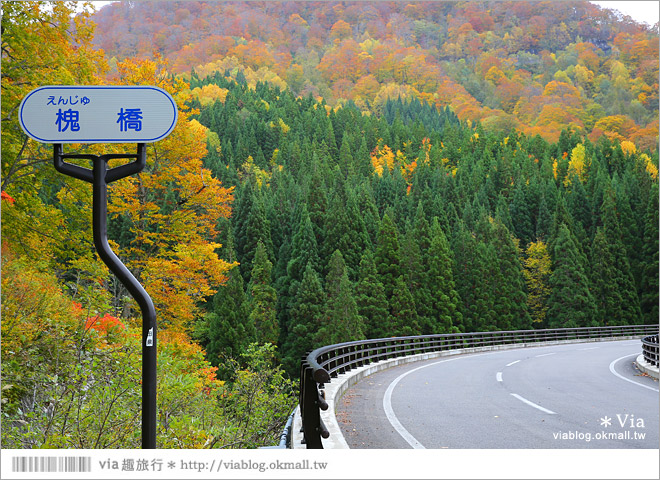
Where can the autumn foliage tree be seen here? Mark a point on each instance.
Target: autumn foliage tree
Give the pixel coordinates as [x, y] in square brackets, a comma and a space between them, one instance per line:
[537, 271]
[171, 210]
[46, 46]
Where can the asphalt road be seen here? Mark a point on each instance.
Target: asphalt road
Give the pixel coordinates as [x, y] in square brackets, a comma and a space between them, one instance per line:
[587, 395]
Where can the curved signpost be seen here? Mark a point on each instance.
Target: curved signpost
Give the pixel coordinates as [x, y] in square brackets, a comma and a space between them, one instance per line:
[107, 114]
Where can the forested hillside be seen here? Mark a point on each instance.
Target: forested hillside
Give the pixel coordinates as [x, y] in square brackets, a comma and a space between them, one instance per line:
[412, 222]
[535, 66]
[339, 171]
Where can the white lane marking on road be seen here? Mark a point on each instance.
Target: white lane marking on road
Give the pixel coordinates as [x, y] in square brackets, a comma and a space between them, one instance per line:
[627, 379]
[532, 404]
[499, 376]
[585, 349]
[391, 416]
[545, 354]
[512, 363]
[412, 441]
[389, 411]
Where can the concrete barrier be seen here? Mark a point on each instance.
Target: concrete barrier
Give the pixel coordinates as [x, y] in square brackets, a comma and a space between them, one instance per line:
[646, 367]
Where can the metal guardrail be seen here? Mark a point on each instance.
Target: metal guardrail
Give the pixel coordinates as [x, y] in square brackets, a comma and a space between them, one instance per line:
[650, 349]
[286, 438]
[328, 362]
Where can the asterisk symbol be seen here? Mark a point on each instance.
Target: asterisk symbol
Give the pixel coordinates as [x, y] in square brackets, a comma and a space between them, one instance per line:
[605, 421]
[171, 465]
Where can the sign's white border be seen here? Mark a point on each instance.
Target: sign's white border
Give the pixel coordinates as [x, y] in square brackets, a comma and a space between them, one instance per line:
[101, 139]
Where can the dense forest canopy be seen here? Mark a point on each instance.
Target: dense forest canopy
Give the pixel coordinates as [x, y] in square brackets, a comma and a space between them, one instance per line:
[534, 66]
[339, 171]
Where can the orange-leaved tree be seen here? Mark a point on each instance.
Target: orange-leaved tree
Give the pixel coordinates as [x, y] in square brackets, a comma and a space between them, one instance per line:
[169, 212]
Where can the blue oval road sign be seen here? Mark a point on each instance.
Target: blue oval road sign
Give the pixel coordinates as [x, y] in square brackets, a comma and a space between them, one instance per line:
[98, 114]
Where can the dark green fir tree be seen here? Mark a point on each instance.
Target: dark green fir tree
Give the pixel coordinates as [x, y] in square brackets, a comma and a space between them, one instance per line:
[511, 293]
[371, 300]
[263, 299]
[521, 216]
[341, 322]
[571, 302]
[387, 257]
[229, 328]
[445, 301]
[402, 311]
[649, 283]
[306, 321]
[622, 306]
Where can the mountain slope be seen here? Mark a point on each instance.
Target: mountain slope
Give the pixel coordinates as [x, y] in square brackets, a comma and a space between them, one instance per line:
[535, 66]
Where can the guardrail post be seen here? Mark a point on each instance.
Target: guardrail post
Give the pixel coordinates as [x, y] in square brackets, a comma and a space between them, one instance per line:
[650, 349]
[311, 420]
[301, 390]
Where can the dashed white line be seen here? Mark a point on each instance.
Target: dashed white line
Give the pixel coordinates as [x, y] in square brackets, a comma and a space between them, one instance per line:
[413, 442]
[585, 349]
[532, 404]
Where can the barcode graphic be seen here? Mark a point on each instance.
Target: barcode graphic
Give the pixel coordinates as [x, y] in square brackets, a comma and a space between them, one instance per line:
[51, 464]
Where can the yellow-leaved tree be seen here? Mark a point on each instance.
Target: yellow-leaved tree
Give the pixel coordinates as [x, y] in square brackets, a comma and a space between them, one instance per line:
[578, 164]
[49, 218]
[169, 212]
[537, 273]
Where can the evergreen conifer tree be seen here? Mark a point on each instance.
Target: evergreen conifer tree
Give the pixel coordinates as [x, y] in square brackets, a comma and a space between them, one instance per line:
[402, 311]
[521, 217]
[345, 231]
[444, 297]
[369, 212]
[387, 257]
[229, 328]
[304, 249]
[473, 269]
[263, 299]
[345, 157]
[341, 322]
[649, 283]
[257, 229]
[415, 275]
[543, 221]
[617, 298]
[364, 166]
[571, 302]
[317, 203]
[306, 321]
[502, 212]
[511, 295]
[371, 300]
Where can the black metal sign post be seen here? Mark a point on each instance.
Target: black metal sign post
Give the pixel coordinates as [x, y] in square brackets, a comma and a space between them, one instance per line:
[141, 114]
[99, 176]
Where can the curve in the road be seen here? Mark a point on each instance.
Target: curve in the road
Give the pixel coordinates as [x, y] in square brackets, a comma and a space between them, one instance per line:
[389, 411]
[613, 370]
[535, 383]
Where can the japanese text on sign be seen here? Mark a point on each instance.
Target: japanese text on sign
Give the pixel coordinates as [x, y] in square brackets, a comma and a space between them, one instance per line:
[98, 114]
